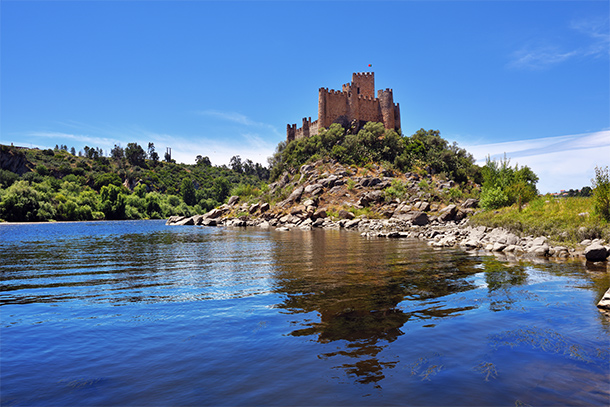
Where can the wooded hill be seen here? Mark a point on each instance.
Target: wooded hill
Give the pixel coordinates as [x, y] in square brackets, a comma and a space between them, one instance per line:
[42, 185]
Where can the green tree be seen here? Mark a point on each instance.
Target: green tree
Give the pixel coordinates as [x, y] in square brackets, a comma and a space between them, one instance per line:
[187, 190]
[221, 189]
[20, 203]
[113, 202]
[135, 154]
[601, 192]
[107, 178]
[504, 185]
[117, 153]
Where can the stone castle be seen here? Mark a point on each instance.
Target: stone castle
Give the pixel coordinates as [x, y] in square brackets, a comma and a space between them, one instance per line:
[351, 107]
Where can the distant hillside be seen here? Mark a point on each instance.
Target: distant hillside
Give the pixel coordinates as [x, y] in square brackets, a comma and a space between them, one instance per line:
[40, 185]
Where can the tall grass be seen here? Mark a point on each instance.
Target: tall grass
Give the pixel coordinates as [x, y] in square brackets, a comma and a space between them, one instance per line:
[568, 220]
[245, 191]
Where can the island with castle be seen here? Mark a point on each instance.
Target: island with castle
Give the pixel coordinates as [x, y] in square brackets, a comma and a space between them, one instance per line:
[352, 107]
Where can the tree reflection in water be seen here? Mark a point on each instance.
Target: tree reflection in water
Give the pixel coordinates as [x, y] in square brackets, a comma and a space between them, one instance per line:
[356, 286]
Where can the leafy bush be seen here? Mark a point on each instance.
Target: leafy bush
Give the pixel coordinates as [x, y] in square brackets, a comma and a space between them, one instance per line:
[504, 185]
[7, 178]
[113, 202]
[493, 198]
[20, 203]
[397, 190]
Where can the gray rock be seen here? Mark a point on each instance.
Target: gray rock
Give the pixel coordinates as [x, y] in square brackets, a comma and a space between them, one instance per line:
[328, 182]
[264, 207]
[320, 214]
[209, 222]
[282, 229]
[310, 189]
[174, 219]
[310, 202]
[298, 209]
[343, 214]
[213, 214]
[295, 196]
[318, 223]
[596, 252]
[470, 203]
[351, 223]
[498, 247]
[307, 168]
[419, 218]
[604, 303]
[422, 206]
[448, 213]
[233, 200]
[254, 207]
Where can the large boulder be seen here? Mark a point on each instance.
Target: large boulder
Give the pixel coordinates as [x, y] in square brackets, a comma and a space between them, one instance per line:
[295, 196]
[370, 197]
[174, 219]
[422, 206]
[213, 214]
[470, 203]
[596, 252]
[329, 182]
[419, 218]
[233, 200]
[319, 214]
[310, 189]
[448, 213]
[343, 214]
[254, 207]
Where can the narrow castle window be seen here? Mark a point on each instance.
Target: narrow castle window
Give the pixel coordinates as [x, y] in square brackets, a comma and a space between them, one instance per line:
[358, 90]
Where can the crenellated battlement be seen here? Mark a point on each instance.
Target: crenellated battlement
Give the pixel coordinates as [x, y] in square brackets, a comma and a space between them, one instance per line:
[356, 101]
[363, 74]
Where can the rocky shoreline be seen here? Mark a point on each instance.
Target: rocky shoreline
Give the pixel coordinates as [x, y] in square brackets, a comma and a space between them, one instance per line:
[450, 234]
[320, 194]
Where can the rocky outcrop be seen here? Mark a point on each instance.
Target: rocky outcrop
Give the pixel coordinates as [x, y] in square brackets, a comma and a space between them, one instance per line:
[14, 160]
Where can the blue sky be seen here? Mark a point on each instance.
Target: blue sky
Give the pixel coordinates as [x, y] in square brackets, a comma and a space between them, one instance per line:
[527, 78]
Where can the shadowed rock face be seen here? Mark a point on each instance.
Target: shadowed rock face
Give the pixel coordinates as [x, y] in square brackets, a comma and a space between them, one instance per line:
[14, 162]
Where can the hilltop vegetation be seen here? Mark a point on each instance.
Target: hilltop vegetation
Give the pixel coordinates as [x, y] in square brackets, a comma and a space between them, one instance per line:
[425, 152]
[130, 184]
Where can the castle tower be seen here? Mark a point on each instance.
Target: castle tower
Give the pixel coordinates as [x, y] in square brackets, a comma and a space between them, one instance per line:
[363, 83]
[386, 103]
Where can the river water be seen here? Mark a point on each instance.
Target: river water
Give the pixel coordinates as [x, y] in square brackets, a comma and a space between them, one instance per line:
[139, 313]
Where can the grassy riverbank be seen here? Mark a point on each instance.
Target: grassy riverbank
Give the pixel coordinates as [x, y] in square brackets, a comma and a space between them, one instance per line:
[566, 220]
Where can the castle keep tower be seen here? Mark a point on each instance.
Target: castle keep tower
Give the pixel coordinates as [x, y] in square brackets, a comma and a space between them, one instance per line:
[354, 105]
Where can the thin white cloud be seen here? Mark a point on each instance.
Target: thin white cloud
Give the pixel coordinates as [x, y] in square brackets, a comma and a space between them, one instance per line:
[238, 118]
[564, 162]
[540, 54]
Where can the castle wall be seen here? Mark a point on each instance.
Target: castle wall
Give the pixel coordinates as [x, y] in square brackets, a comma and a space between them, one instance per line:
[336, 106]
[368, 110]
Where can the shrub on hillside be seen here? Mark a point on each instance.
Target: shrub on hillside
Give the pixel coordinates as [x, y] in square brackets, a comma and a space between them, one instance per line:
[504, 185]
